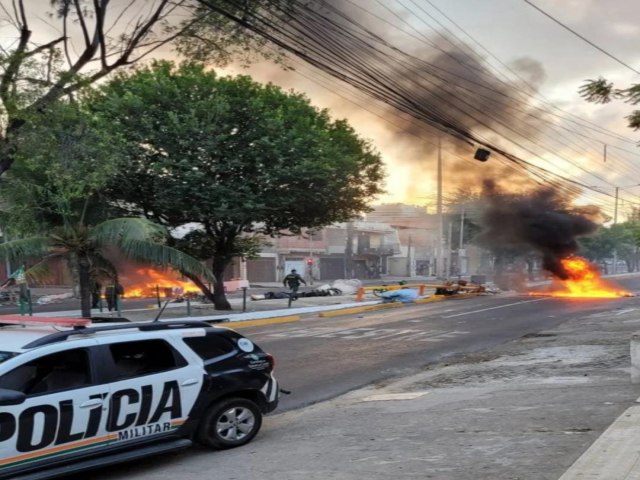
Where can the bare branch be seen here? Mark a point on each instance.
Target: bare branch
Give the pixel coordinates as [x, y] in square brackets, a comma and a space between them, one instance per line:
[43, 47]
[36, 81]
[99, 35]
[10, 18]
[65, 33]
[141, 32]
[116, 21]
[23, 15]
[83, 24]
[16, 60]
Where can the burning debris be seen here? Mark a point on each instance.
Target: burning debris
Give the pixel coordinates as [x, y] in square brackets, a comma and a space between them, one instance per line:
[544, 221]
[146, 282]
[583, 281]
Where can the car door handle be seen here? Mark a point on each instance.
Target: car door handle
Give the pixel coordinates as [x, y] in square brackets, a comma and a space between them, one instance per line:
[189, 382]
[91, 403]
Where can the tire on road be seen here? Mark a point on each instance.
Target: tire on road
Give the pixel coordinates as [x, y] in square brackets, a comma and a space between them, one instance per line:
[229, 423]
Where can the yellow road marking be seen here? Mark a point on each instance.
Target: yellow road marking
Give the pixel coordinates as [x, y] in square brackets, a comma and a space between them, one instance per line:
[262, 321]
[366, 308]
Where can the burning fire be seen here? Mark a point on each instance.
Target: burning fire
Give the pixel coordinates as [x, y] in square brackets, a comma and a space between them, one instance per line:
[584, 281]
[156, 282]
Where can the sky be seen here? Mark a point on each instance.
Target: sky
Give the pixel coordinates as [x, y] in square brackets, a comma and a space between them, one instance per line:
[547, 55]
[511, 34]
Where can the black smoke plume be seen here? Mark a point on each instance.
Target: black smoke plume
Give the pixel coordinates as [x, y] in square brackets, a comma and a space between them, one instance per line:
[542, 221]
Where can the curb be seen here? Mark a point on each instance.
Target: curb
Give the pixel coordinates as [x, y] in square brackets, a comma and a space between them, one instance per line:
[368, 308]
[382, 306]
[257, 323]
[614, 455]
[434, 298]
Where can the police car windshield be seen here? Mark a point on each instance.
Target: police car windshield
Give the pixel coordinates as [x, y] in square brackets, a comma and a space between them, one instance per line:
[4, 356]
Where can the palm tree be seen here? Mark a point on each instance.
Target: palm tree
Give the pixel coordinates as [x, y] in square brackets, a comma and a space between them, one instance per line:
[84, 246]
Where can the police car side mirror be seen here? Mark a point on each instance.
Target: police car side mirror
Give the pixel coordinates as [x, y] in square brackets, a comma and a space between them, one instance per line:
[11, 397]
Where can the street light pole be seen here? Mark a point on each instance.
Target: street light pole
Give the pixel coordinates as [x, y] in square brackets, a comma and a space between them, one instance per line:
[615, 221]
[615, 207]
[439, 250]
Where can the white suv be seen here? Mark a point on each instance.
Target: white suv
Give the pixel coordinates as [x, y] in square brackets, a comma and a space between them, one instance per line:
[82, 396]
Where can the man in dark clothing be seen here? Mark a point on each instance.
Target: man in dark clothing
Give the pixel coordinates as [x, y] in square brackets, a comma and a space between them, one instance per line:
[96, 290]
[111, 293]
[293, 281]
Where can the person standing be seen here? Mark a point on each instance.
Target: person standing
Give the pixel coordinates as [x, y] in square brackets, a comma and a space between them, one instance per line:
[112, 292]
[293, 281]
[96, 291]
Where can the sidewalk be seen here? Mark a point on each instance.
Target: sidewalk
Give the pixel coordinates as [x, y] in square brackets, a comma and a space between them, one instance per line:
[526, 410]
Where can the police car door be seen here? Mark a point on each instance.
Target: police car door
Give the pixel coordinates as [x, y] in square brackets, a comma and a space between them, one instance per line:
[154, 386]
[60, 416]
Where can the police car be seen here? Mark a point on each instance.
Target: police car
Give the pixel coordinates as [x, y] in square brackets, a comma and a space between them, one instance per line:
[76, 396]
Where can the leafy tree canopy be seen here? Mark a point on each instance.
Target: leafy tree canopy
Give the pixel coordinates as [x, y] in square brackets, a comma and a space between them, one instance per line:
[52, 202]
[230, 153]
[233, 155]
[602, 91]
[80, 42]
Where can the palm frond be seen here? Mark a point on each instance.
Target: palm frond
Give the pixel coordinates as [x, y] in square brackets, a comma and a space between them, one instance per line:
[41, 271]
[161, 255]
[117, 230]
[25, 248]
[101, 267]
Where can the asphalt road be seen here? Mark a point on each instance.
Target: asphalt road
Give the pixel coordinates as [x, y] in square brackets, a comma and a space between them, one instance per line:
[319, 358]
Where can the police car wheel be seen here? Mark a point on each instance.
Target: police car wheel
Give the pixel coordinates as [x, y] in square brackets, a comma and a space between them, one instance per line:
[229, 423]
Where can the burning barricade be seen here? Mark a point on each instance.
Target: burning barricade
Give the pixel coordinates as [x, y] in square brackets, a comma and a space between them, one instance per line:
[582, 280]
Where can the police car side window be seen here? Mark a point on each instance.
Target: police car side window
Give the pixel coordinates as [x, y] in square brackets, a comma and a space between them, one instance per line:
[210, 346]
[144, 357]
[51, 373]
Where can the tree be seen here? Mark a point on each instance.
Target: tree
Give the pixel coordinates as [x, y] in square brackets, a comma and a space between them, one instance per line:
[603, 91]
[598, 247]
[235, 157]
[51, 199]
[91, 42]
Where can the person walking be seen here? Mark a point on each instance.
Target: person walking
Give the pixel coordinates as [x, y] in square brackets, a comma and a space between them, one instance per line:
[293, 281]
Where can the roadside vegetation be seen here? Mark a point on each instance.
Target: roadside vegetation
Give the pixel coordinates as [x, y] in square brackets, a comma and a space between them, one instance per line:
[100, 159]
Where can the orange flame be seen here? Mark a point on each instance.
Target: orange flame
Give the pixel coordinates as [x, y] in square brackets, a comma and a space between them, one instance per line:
[584, 281]
[165, 283]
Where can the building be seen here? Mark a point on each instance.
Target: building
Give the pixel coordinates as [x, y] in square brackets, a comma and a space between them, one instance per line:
[358, 249]
[417, 232]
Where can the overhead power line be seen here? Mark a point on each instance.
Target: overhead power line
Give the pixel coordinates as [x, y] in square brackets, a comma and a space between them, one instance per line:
[340, 46]
[566, 27]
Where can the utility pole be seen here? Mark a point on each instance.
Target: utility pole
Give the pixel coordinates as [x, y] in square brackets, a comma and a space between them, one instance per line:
[409, 257]
[461, 243]
[461, 229]
[440, 259]
[615, 221]
[310, 262]
[348, 253]
[449, 250]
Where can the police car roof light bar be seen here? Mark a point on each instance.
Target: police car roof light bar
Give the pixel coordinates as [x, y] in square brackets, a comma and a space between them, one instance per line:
[143, 327]
[51, 321]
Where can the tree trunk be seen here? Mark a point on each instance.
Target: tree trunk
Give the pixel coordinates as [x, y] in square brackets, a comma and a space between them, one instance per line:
[218, 296]
[220, 264]
[84, 281]
[7, 145]
[201, 285]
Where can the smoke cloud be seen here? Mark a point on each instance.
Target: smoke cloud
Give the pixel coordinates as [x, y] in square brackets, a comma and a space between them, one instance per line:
[541, 221]
[441, 78]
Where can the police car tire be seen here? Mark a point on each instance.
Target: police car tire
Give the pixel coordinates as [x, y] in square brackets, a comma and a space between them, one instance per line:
[218, 415]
